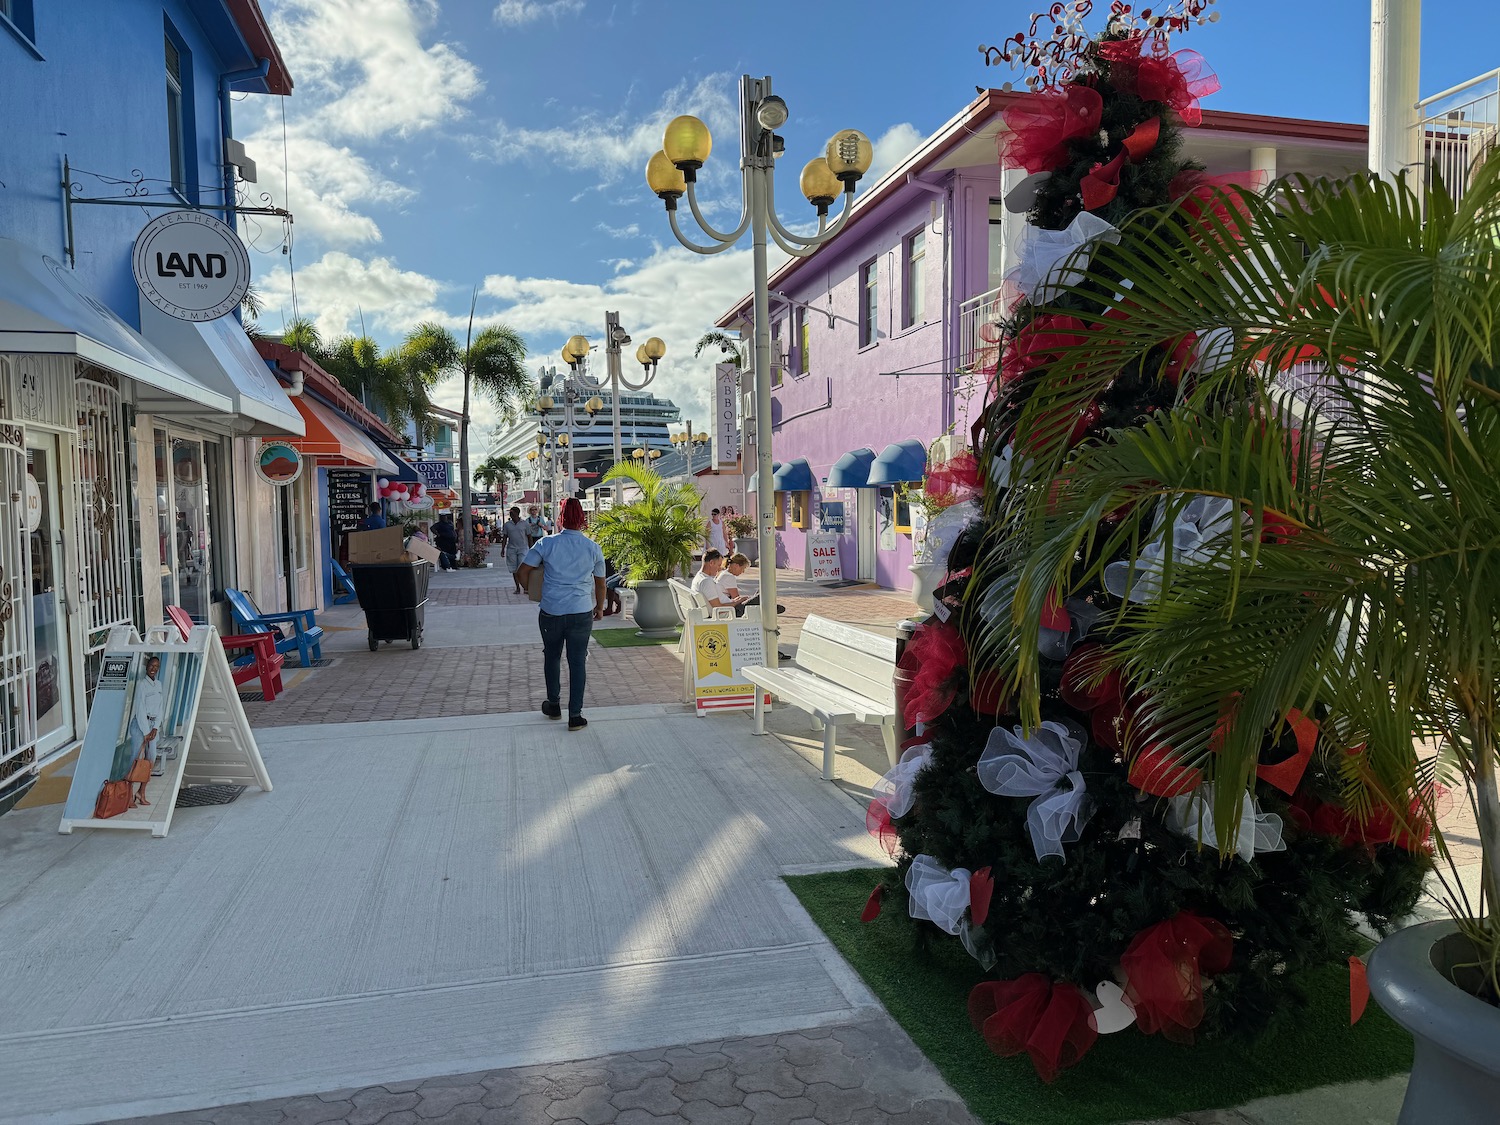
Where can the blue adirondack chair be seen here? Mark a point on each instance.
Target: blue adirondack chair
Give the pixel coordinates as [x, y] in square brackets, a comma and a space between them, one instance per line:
[341, 580]
[307, 636]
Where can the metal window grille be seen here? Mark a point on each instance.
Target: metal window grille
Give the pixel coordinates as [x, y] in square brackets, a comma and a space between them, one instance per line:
[17, 665]
[101, 479]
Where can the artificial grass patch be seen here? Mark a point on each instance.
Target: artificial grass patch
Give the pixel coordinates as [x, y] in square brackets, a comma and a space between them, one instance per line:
[1127, 1075]
[626, 638]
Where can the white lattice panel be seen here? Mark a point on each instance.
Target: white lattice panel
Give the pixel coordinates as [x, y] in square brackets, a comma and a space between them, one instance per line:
[17, 672]
[101, 480]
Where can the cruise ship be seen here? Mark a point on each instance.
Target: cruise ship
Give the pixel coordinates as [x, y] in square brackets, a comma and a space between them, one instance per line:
[649, 422]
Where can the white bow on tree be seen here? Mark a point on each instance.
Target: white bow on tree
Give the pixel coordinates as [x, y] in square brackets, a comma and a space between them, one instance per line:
[895, 787]
[1192, 815]
[937, 894]
[1045, 766]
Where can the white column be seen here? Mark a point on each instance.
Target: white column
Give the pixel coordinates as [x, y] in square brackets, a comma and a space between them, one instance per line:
[1395, 85]
[1263, 163]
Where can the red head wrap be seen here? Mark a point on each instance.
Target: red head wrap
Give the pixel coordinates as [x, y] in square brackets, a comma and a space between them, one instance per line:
[572, 515]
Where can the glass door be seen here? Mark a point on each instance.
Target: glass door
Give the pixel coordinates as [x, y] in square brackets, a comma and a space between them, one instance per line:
[50, 609]
[864, 546]
[183, 526]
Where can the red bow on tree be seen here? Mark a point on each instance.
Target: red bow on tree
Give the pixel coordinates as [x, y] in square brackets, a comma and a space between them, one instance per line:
[1040, 126]
[1102, 184]
[1164, 968]
[956, 480]
[1052, 1022]
[1140, 66]
[1040, 343]
[936, 654]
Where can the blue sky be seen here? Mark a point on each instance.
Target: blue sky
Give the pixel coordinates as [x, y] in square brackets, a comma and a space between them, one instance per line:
[435, 147]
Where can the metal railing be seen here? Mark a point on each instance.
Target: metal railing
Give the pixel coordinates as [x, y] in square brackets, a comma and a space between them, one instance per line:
[979, 332]
[1459, 127]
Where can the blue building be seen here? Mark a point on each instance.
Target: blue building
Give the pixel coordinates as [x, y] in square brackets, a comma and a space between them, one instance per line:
[129, 428]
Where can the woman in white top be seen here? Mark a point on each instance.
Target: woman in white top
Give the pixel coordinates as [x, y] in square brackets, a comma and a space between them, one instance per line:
[145, 720]
[718, 538]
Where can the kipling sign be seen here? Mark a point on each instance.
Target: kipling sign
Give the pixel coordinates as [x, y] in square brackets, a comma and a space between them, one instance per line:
[191, 266]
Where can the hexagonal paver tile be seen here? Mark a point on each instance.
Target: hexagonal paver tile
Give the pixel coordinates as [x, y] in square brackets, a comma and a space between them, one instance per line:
[800, 1050]
[654, 1095]
[775, 1076]
[627, 1072]
[439, 1101]
[505, 1086]
[641, 1117]
[706, 1113]
[768, 1109]
[837, 1106]
[689, 1066]
[590, 1105]
[374, 1105]
[313, 1110]
[856, 1040]
[836, 1070]
[717, 1086]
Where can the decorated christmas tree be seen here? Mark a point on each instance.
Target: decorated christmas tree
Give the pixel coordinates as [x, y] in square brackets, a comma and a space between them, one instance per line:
[1043, 819]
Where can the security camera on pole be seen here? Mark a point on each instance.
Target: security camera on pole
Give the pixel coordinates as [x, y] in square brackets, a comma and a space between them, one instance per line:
[672, 173]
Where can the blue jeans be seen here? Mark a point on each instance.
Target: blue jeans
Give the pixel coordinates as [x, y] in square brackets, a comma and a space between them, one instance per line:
[572, 630]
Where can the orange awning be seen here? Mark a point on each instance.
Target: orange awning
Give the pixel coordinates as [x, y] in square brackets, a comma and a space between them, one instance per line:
[334, 441]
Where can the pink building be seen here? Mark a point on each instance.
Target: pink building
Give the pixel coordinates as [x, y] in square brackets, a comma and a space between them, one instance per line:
[878, 337]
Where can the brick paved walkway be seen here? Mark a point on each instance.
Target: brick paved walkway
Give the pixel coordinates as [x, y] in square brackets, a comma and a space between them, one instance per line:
[866, 1074]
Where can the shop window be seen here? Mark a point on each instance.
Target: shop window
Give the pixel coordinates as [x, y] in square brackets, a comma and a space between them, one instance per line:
[17, 16]
[914, 281]
[869, 305]
[778, 505]
[804, 343]
[778, 357]
[997, 242]
[181, 127]
[903, 512]
[798, 505]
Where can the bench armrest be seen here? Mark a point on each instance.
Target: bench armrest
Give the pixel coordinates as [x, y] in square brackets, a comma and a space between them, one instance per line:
[302, 618]
[262, 644]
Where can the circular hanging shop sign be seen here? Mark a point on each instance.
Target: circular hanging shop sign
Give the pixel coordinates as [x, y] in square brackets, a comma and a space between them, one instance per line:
[278, 463]
[33, 505]
[191, 266]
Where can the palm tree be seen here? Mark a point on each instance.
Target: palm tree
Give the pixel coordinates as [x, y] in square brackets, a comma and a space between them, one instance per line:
[303, 335]
[400, 394]
[726, 343]
[653, 536]
[1364, 575]
[251, 306]
[491, 363]
[496, 469]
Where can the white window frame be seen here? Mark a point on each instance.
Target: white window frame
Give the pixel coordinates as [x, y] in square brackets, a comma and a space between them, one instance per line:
[914, 285]
[869, 303]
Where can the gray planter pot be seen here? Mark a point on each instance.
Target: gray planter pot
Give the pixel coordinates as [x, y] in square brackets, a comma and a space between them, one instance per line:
[749, 547]
[655, 613]
[1455, 1074]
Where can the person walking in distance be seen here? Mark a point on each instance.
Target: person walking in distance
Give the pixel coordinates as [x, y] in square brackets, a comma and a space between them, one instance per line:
[513, 535]
[373, 520]
[718, 535]
[445, 539]
[572, 600]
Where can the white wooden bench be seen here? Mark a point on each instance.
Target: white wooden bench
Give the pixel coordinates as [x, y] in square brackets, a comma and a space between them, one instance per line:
[841, 675]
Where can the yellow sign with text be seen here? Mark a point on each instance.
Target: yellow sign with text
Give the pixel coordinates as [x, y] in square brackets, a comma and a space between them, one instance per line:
[719, 650]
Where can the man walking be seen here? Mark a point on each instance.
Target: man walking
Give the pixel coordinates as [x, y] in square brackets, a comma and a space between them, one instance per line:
[572, 600]
[373, 520]
[513, 535]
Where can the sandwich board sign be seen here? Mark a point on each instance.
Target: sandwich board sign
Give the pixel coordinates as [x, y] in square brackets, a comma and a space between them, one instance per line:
[168, 703]
[718, 650]
[823, 557]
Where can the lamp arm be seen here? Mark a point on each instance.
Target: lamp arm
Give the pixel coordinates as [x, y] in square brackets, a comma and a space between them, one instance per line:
[794, 250]
[825, 232]
[641, 386]
[693, 246]
[708, 229]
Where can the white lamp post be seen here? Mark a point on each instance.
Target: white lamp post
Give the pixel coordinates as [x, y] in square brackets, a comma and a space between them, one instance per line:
[575, 353]
[555, 436]
[672, 173]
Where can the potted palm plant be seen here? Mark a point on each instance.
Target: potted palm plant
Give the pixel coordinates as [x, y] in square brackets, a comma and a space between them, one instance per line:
[652, 539]
[1338, 347]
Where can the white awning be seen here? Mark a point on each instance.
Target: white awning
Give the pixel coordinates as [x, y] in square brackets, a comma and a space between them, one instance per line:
[220, 354]
[44, 310]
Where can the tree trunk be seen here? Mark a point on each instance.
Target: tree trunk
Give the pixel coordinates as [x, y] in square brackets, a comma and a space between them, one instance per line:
[466, 519]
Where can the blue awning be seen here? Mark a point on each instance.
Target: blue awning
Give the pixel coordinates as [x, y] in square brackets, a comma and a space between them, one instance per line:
[852, 470]
[795, 476]
[755, 477]
[404, 472]
[903, 462]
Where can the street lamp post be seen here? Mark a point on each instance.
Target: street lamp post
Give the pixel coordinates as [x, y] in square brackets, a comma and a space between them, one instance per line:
[555, 435]
[575, 352]
[672, 173]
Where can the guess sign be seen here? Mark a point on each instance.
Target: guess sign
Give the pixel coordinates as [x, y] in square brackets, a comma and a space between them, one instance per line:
[191, 266]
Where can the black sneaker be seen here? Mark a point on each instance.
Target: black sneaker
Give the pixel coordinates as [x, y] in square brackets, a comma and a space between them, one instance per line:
[552, 710]
[577, 722]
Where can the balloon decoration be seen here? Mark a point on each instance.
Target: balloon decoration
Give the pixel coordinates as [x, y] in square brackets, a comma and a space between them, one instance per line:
[400, 491]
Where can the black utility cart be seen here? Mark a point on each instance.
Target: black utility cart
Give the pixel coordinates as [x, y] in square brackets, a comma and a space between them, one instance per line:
[394, 598]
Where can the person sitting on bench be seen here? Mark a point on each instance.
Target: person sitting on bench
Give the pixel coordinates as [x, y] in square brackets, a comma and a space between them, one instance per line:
[706, 581]
[729, 585]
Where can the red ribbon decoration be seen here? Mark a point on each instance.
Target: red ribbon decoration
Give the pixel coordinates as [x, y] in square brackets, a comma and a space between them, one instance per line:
[1178, 80]
[936, 654]
[1164, 966]
[1102, 183]
[1052, 1022]
[988, 696]
[1359, 989]
[981, 890]
[956, 480]
[878, 824]
[1142, 139]
[1083, 665]
[1220, 196]
[1040, 343]
[1040, 126]
[1156, 769]
[1287, 775]
[872, 904]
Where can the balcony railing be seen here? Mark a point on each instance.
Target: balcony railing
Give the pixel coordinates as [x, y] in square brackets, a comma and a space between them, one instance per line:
[979, 332]
[1459, 128]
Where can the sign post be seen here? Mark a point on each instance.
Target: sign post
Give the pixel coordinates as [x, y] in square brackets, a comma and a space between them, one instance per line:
[726, 428]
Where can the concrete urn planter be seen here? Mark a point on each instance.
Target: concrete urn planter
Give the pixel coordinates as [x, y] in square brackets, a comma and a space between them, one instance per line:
[925, 580]
[655, 613]
[1455, 1074]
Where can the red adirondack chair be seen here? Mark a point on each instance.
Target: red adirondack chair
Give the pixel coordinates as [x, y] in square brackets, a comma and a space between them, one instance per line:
[261, 660]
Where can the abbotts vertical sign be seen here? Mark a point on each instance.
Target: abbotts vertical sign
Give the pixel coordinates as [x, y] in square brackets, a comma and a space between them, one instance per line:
[191, 266]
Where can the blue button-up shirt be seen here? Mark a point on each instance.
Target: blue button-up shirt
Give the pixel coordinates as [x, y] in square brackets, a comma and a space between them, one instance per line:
[570, 562]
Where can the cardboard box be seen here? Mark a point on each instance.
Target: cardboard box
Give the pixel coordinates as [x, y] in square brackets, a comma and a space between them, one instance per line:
[416, 549]
[381, 546]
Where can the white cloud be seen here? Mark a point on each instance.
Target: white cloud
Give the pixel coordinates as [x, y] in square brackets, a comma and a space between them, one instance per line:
[322, 184]
[630, 230]
[338, 291]
[892, 147]
[364, 65]
[612, 145]
[516, 13]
